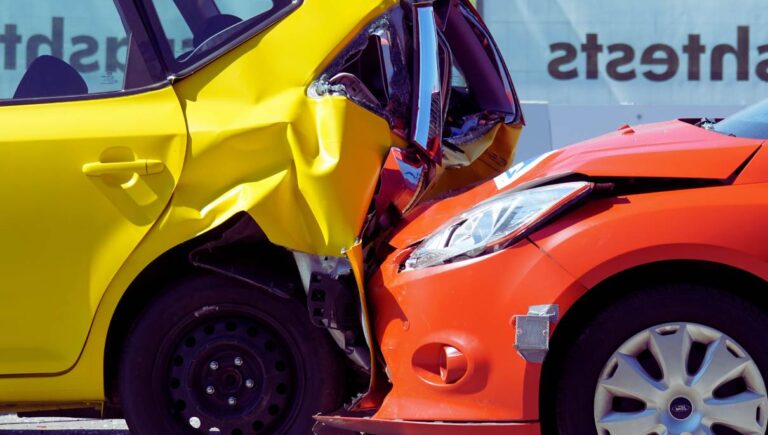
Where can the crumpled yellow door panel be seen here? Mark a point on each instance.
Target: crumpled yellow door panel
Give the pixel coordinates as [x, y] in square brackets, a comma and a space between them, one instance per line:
[305, 168]
[306, 175]
[480, 161]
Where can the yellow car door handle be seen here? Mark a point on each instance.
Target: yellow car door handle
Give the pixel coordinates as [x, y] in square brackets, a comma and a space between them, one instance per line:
[141, 167]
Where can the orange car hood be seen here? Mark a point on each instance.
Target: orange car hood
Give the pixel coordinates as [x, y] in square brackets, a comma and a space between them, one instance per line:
[667, 150]
[673, 149]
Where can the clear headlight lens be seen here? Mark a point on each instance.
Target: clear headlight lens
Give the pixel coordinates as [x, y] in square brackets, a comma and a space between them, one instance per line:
[495, 223]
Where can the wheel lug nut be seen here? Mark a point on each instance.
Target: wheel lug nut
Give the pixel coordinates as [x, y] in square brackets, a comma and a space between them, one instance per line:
[213, 365]
[249, 383]
[232, 401]
[209, 389]
[238, 361]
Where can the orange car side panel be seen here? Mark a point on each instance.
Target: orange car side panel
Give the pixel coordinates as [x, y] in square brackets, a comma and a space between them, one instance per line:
[720, 224]
[469, 307]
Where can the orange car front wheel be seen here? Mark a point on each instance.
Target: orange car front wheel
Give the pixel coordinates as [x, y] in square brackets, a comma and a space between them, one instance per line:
[672, 359]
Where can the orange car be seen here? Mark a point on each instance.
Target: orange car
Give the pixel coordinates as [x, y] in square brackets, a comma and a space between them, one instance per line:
[618, 286]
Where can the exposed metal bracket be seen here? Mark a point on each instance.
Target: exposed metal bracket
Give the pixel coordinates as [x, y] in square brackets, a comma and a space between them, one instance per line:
[532, 331]
[333, 302]
[552, 312]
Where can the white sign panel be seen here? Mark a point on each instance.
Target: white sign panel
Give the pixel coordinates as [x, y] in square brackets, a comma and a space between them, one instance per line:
[682, 52]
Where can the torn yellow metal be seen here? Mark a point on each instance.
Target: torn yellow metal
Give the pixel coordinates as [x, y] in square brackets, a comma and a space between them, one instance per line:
[482, 160]
[356, 260]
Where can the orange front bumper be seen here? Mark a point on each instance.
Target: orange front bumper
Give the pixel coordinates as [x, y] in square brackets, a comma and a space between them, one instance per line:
[346, 425]
[470, 307]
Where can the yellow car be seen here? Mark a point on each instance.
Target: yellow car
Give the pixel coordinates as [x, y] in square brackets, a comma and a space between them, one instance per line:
[195, 191]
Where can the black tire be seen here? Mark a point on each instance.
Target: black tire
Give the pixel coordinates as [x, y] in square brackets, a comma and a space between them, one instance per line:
[580, 367]
[191, 337]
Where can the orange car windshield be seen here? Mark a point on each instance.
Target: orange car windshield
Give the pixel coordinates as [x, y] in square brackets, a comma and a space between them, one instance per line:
[751, 122]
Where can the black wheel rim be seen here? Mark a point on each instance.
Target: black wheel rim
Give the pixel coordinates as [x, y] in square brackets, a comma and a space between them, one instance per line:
[234, 373]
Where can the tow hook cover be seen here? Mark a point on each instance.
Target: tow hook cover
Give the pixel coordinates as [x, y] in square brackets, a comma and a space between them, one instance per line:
[532, 332]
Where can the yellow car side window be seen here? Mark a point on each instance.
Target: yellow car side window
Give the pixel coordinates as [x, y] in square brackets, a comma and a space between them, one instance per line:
[177, 30]
[60, 49]
[193, 33]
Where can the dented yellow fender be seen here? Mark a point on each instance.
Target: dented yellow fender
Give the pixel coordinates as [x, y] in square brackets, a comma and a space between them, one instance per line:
[304, 168]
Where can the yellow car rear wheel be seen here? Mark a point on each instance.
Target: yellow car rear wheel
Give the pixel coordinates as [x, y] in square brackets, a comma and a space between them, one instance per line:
[214, 353]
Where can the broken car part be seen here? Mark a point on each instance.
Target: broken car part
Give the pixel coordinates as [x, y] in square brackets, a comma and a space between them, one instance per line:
[334, 304]
[426, 129]
[405, 55]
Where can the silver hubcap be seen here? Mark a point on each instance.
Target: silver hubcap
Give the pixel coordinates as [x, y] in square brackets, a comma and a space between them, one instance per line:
[680, 378]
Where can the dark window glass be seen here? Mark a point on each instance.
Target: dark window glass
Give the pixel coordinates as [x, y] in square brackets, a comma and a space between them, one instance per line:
[477, 61]
[194, 31]
[72, 48]
[751, 122]
[480, 94]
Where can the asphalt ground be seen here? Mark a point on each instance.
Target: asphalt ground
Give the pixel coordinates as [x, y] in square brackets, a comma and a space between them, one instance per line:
[13, 425]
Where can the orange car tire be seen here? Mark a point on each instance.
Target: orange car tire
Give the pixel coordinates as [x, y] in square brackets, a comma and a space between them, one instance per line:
[623, 374]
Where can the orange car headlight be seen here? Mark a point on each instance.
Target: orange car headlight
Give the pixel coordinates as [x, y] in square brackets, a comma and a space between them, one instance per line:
[495, 223]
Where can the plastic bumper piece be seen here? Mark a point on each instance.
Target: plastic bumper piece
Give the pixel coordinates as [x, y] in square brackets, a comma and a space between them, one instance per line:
[348, 425]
